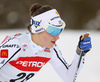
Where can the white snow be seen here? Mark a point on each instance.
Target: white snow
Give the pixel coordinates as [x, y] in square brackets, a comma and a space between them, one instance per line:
[67, 44]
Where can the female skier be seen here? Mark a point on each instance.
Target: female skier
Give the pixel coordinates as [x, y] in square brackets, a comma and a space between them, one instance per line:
[23, 55]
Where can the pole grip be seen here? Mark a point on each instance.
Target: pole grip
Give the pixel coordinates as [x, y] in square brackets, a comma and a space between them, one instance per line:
[85, 36]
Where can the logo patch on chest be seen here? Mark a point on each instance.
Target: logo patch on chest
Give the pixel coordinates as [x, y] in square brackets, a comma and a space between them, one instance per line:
[29, 63]
[4, 53]
[25, 47]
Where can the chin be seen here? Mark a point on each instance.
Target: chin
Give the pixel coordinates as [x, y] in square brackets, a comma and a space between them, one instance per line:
[50, 46]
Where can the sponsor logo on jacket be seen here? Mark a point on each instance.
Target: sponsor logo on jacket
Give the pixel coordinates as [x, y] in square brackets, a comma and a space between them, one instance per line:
[10, 46]
[29, 63]
[4, 53]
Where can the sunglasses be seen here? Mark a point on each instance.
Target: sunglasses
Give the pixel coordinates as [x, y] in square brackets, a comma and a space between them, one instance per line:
[55, 30]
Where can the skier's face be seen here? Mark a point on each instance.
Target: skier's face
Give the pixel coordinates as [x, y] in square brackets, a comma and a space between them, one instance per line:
[48, 40]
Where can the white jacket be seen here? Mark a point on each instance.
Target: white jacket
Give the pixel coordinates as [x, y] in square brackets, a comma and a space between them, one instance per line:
[21, 59]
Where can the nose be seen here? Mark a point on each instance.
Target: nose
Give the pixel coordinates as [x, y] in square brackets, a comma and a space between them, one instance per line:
[56, 37]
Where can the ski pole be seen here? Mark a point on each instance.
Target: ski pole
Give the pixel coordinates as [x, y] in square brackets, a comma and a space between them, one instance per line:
[81, 54]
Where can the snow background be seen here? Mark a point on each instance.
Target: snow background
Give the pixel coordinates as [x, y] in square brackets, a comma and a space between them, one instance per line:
[67, 44]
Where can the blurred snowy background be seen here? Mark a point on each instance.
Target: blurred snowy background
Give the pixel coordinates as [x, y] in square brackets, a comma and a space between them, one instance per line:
[67, 44]
[78, 14]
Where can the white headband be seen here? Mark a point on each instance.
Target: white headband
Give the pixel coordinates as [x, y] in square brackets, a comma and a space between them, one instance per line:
[38, 21]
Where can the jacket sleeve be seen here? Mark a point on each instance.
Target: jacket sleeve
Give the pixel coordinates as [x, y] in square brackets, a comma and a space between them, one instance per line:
[8, 50]
[63, 69]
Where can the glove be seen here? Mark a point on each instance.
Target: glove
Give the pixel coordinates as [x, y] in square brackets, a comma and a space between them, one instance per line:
[84, 44]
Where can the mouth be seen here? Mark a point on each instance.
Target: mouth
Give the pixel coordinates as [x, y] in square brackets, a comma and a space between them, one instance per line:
[53, 42]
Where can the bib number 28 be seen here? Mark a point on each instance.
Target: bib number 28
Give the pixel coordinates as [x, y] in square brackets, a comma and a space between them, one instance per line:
[22, 76]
